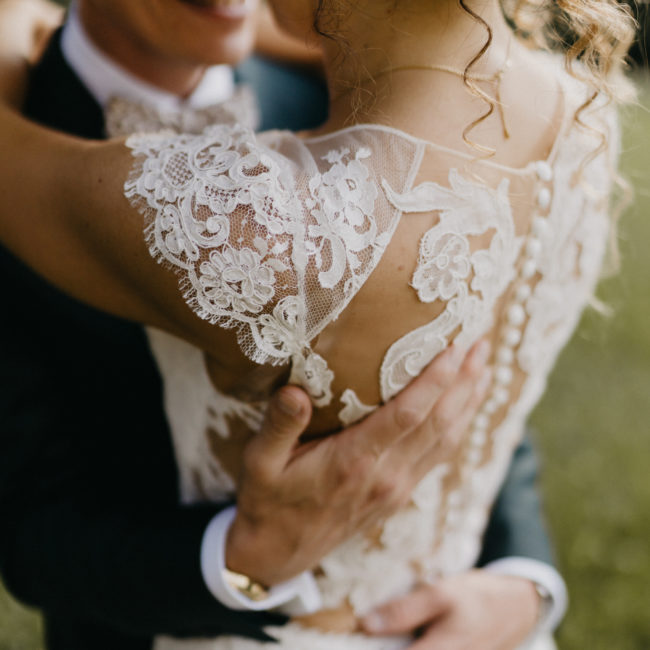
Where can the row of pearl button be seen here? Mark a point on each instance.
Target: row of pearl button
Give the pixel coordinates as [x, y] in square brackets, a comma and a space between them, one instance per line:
[515, 315]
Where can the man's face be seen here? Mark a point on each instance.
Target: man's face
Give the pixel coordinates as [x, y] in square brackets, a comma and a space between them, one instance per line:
[193, 31]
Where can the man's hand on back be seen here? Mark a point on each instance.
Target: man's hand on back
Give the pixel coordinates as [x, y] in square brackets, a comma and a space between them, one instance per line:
[295, 502]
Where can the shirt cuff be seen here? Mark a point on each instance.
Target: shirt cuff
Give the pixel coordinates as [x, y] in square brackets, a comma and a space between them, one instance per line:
[294, 597]
[542, 574]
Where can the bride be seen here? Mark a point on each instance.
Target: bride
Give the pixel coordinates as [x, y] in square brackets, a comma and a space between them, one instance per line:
[458, 190]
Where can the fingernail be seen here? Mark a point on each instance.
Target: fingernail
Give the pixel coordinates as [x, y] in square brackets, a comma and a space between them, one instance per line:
[288, 403]
[374, 623]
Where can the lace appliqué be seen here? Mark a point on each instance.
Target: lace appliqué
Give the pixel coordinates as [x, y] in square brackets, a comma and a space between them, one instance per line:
[445, 260]
[354, 409]
[249, 235]
[341, 202]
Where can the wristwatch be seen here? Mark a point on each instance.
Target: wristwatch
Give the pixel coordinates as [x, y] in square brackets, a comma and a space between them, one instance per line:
[245, 585]
[545, 602]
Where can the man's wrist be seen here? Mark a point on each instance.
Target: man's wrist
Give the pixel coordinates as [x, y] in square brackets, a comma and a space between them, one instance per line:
[549, 585]
[296, 596]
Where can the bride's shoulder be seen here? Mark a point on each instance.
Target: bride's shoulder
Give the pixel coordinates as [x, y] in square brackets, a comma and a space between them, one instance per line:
[586, 116]
[249, 221]
[575, 84]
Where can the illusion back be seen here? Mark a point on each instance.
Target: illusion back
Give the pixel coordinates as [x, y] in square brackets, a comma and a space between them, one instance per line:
[354, 259]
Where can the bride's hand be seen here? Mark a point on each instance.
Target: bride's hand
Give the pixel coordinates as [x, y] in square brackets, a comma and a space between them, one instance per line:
[476, 609]
[295, 503]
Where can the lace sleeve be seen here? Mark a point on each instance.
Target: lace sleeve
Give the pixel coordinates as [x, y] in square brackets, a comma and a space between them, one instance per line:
[220, 211]
[268, 235]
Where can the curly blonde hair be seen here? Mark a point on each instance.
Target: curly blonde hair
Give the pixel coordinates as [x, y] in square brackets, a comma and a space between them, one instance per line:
[594, 34]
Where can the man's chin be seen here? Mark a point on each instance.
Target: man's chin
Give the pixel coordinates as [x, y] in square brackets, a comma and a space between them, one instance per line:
[222, 9]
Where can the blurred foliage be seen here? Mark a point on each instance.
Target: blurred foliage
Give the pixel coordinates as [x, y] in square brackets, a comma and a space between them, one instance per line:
[20, 628]
[595, 444]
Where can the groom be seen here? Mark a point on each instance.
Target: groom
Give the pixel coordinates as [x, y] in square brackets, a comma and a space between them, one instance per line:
[95, 505]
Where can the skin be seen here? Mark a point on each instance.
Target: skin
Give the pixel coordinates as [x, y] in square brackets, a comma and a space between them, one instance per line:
[370, 474]
[457, 613]
[363, 483]
[170, 42]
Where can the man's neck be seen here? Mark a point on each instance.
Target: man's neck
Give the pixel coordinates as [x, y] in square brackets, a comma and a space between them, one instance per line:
[167, 73]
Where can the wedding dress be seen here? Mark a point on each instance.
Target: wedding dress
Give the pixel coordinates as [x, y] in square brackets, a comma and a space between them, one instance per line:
[276, 237]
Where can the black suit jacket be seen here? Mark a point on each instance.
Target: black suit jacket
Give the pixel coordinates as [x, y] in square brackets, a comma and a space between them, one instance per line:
[92, 531]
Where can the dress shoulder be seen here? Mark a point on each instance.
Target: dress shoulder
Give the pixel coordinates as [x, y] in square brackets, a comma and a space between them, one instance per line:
[269, 234]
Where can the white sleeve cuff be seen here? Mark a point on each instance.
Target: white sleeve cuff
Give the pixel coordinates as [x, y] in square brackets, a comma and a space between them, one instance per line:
[542, 574]
[297, 596]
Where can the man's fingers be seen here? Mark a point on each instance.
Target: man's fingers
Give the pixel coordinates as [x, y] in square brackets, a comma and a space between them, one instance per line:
[406, 614]
[447, 441]
[439, 435]
[409, 408]
[286, 418]
[451, 405]
[471, 407]
[447, 404]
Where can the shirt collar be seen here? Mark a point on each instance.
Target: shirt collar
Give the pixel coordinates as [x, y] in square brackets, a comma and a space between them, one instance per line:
[105, 79]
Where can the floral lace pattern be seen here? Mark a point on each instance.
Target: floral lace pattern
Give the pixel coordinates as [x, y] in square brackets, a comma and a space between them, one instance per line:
[245, 231]
[466, 208]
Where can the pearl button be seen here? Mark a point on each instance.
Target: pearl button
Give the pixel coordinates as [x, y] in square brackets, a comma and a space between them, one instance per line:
[451, 518]
[544, 171]
[481, 421]
[511, 337]
[479, 438]
[544, 198]
[540, 226]
[503, 375]
[523, 293]
[490, 406]
[500, 395]
[474, 456]
[529, 269]
[516, 315]
[505, 355]
[533, 247]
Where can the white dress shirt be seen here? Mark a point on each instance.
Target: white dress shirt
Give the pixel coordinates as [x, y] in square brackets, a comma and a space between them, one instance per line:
[105, 79]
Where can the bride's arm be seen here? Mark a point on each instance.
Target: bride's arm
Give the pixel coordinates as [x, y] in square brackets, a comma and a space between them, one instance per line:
[64, 213]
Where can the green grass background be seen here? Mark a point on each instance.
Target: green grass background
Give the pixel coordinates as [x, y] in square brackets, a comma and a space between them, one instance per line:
[595, 445]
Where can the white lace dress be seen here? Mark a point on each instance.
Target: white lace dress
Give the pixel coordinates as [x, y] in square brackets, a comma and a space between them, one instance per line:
[278, 237]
